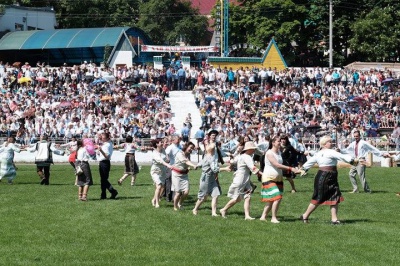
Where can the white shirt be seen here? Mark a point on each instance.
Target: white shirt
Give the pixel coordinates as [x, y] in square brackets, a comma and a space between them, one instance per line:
[108, 149]
[327, 157]
[82, 155]
[363, 149]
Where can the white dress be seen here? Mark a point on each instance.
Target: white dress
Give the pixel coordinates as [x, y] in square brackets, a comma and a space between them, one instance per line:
[157, 170]
[208, 183]
[180, 181]
[7, 161]
[240, 186]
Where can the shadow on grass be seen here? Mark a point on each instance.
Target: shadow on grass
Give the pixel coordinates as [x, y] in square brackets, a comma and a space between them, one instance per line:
[142, 185]
[118, 198]
[233, 213]
[292, 219]
[191, 199]
[61, 184]
[38, 183]
[354, 221]
[373, 192]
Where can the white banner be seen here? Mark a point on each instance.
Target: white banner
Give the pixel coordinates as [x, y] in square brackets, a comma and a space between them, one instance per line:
[158, 65]
[190, 49]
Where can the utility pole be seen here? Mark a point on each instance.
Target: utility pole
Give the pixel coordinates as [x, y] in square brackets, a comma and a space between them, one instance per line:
[330, 34]
[219, 28]
[226, 28]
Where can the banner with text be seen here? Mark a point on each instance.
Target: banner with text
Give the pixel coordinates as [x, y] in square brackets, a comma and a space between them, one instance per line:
[188, 49]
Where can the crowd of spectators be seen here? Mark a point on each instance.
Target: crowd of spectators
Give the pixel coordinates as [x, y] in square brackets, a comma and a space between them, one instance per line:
[85, 100]
[81, 101]
[304, 103]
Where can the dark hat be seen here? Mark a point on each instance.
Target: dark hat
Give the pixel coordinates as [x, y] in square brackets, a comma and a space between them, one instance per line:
[212, 131]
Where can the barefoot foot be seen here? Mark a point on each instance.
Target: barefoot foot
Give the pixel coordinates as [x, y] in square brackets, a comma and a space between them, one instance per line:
[223, 213]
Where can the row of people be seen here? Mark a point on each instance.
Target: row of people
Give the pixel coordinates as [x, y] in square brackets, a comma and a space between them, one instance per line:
[271, 177]
[240, 189]
[326, 188]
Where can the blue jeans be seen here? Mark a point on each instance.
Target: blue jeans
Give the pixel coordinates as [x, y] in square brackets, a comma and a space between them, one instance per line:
[181, 83]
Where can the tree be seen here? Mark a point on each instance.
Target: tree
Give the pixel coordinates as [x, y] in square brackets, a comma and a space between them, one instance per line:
[258, 21]
[96, 13]
[169, 21]
[376, 35]
[89, 13]
[31, 3]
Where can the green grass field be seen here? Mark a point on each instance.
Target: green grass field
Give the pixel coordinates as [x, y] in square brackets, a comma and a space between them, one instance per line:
[47, 225]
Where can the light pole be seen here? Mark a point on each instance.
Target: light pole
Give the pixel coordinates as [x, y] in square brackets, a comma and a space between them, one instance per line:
[224, 16]
[218, 27]
[330, 34]
[225, 27]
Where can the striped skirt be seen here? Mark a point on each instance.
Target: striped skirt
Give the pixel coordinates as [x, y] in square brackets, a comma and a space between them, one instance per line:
[271, 191]
[326, 188]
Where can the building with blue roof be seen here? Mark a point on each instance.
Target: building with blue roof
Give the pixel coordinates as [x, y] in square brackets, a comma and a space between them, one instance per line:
[113, 46]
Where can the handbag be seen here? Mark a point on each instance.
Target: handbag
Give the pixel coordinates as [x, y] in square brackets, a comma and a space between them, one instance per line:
[78, 170]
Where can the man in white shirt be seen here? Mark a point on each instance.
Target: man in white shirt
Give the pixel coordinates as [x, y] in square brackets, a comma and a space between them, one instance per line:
[396, 136]
[360, 148]
[193, 77]
[171, 151]
[104, 153]
[263, 76]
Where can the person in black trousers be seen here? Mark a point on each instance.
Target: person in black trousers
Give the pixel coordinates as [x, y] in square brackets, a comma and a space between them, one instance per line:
[44, 158]
[289, 156]
[104, 153]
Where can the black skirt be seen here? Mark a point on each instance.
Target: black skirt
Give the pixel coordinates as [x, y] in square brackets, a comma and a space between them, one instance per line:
[131, 166]
[302, 158]
[326, 189]
[84, 179]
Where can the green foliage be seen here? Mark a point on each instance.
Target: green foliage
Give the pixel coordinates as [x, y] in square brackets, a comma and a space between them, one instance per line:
[376, 35]
[47, 225]
[169, 21]
[306, 24]
[256, 22]
[30, 3]
[96, 13]
[368, 29]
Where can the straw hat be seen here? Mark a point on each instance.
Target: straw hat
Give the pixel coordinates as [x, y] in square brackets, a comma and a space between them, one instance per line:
[249, 145]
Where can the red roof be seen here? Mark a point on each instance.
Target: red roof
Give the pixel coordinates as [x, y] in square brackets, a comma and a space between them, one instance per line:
[205, 6]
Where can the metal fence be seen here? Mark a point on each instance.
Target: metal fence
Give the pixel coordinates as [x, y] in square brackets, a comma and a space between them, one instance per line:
[390, 145]
[142, 142]
[383, 144]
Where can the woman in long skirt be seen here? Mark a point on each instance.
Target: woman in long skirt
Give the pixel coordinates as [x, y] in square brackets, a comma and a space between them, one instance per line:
[85, 177]
[326, 186]
[158, 170]
[208, 180]
[240, 187]
[272, 179]
[131, 167]
[7, 151]
[180, 178]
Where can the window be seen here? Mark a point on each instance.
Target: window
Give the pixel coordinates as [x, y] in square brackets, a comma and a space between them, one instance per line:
[19, 27]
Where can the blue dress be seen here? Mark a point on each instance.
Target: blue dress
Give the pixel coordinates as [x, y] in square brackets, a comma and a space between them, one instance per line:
[7, 168]
[208, 182]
